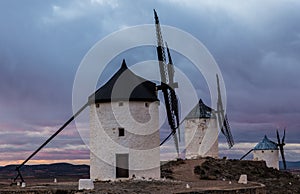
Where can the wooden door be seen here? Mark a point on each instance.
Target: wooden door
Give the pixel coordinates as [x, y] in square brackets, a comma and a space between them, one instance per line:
[122, 166]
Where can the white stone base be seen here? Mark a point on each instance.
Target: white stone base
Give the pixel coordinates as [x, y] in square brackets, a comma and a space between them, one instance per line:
[85, 184]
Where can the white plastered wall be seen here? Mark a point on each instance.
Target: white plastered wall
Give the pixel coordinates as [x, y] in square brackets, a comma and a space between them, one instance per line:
[141, 140]
[270, 156]
[201, 138]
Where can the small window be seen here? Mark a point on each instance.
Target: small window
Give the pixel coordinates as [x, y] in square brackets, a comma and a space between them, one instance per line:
[146, 104]
[97, 105]
[120, 103]
[272, 151]
[121, 132]
[262, 151]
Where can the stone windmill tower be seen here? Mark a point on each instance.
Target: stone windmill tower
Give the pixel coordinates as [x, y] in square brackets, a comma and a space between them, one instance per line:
[199, 122]
[201, 129]
[267, 150]
[124, 135]
[124, 120]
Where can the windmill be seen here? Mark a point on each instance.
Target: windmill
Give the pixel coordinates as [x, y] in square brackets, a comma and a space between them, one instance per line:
[201, 129]
[267, 150]
[167, 84]
[280, 144]
[222, 118]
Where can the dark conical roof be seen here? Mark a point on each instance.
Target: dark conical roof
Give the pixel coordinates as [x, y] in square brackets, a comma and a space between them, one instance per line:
[201, 111]
[266, 144]
[124, 85]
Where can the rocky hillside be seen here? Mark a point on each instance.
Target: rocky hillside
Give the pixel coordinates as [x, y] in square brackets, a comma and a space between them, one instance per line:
[220, 169]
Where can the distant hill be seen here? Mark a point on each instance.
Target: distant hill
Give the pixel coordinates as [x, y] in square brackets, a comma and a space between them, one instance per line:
[63, 170]
[46, 171]
[290, 165]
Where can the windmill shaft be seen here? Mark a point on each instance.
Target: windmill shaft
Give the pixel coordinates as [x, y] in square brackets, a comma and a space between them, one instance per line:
[246, 154]
[49, 139]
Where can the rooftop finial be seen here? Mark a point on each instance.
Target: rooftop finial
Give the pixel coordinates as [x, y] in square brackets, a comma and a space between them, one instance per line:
[124, 64]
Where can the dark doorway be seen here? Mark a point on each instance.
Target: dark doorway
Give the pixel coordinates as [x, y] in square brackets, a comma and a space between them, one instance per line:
[122, 166]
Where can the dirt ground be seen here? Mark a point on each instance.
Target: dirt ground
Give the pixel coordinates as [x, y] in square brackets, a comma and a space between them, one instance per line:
[182, 176]
[177, 177]
[128, 186]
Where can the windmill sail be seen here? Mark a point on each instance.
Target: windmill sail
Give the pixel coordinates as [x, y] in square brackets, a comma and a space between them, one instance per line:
[173, 96]
[222, 118]
[167, 83]
[280, 145]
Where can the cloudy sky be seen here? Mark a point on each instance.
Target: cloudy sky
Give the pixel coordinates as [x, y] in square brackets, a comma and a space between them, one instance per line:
[255, 43]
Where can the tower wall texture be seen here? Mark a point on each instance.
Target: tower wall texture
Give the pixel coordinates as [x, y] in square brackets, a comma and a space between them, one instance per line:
[270, 156]
[201, 138]
[140, 141]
